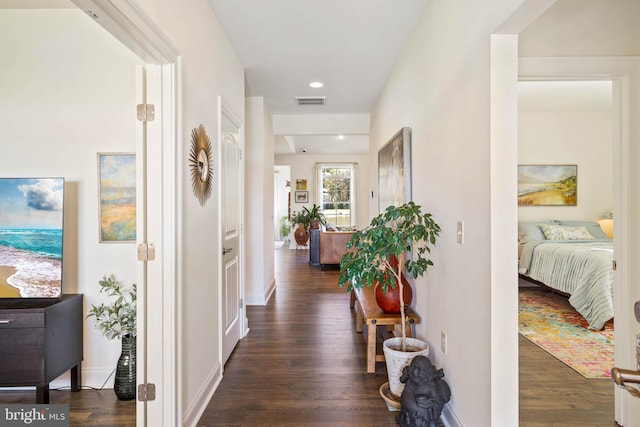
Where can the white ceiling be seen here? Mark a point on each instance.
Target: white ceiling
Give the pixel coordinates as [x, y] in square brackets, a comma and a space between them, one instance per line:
[349, 45]
[322, 144]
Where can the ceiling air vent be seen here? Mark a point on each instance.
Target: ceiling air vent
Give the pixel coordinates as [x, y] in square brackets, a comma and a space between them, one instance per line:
[310, 100]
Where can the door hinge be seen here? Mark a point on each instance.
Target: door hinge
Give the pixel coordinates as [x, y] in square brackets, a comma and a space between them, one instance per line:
[241, 302]
[614, 265]
[146, 252]
[146, 112]
[240, 154]
[146, 392]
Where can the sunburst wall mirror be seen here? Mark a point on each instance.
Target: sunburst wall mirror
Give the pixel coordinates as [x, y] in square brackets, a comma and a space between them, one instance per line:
[200, 159]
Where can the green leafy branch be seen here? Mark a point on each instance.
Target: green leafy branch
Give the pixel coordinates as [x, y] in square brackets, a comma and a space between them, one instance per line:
[117, 319]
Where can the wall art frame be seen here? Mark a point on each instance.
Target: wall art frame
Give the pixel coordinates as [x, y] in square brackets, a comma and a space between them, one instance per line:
[302, 197]
[117, 197]
[394, 170]
[548, 185]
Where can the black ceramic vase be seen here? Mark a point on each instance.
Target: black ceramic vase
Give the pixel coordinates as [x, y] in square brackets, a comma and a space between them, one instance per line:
[125, 381]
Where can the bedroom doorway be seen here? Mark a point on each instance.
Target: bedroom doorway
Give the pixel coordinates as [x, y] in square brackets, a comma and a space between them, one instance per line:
[561, 122]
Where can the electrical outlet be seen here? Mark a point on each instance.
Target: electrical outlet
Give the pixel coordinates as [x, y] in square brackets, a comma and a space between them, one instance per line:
[443, 342]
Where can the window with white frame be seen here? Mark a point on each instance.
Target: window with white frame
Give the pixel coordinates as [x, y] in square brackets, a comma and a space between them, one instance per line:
[337, 192]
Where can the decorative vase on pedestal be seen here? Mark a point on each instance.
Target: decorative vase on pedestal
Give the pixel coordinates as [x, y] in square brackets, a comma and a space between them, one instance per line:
[125, 381]
[301, 235]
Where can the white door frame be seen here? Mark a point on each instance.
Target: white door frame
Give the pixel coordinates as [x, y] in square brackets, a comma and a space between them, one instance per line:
[126, 21]
[506, 69]
[618, 70]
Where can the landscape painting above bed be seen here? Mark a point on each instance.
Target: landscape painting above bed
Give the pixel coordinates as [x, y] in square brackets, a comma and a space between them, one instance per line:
[547, 185]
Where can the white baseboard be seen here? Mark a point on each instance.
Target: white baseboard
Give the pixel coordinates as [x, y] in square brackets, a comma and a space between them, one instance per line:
[199, 403]
[449, 417]
[261, 299]
[94, 378]
[270, 290]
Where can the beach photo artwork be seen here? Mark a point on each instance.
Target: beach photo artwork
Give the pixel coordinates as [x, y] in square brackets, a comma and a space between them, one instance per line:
[547, 185]
[31, 218]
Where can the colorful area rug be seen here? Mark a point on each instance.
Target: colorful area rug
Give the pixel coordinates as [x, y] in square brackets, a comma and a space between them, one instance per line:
[549, 321]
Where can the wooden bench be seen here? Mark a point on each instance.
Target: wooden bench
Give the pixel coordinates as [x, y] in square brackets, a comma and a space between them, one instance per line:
[369, 313]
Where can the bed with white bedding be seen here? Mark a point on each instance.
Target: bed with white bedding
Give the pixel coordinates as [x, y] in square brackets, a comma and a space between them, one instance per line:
[573, 257]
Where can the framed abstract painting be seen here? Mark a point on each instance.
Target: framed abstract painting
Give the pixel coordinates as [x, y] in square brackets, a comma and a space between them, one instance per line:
[394, 170]
[117, 197]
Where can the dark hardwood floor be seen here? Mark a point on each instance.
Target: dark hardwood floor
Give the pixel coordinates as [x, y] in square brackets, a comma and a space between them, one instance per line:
[302, 364]
[86, 408]
[553, 394]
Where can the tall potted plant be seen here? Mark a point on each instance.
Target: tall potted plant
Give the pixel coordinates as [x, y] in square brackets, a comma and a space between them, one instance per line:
[378, 254]
[118, 321]
[306, 219]
[316, 217]
[303, 222]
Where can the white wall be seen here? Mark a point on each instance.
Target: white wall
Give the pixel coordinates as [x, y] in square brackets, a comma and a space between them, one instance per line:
[584, 28]
[303, 166]
[67, 93]
[440, 87]
[259, 274]
[580, 138]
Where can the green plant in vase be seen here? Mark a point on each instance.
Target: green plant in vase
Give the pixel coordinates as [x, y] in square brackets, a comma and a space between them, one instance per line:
[118, 320]
[378, 253]
[285, 227]
[316, 217]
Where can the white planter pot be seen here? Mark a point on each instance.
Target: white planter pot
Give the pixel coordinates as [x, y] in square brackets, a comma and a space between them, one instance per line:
[397, 359]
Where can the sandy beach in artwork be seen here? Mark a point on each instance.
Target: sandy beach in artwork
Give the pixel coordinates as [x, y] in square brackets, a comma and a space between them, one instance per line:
[6, 290]
[27, 274]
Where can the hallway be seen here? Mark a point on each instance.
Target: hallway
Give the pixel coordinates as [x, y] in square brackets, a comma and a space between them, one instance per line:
[301, 364]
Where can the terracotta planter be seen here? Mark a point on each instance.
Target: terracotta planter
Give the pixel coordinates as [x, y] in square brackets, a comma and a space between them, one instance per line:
[389, 302]
[396, 360]
[301, 235]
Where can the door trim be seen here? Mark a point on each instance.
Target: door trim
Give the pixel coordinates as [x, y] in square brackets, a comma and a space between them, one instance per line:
[128, 23]
[618, 70]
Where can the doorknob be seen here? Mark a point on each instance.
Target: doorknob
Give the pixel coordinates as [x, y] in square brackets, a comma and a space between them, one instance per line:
[226, 250]
[623, 376]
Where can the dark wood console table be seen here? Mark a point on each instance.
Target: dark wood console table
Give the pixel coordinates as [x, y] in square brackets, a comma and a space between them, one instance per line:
[39, 341]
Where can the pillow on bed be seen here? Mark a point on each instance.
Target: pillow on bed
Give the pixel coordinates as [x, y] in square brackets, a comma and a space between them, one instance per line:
[528, 231]
[593, 227]
[566, 232]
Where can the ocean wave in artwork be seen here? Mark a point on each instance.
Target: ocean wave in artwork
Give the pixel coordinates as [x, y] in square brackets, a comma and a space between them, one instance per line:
[37, 276]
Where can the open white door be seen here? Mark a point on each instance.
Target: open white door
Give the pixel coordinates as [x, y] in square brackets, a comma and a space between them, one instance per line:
[156, 206]
[153, 304]
[232, 310]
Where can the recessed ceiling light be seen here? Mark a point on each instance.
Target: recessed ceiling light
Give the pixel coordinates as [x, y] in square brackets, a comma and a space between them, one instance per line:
[316, 85]
[340, 136]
